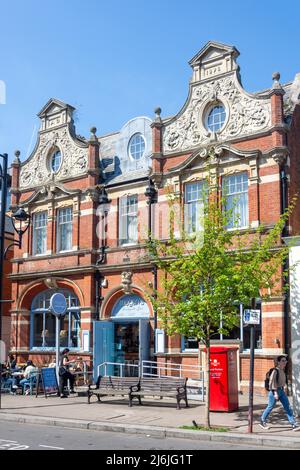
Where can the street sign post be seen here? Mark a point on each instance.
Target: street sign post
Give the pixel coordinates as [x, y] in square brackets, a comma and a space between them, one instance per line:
[251, 317]
[58, 306]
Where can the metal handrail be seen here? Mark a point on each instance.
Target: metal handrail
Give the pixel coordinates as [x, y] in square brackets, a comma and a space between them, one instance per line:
[119, 364]
[146, 365]
[174, 367]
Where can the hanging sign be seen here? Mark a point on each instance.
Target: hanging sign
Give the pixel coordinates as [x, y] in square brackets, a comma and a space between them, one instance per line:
[58, 305]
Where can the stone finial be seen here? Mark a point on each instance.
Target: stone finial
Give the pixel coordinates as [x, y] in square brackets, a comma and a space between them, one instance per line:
[17, 159]
[157, 114]
[93, 137]
[276, 78]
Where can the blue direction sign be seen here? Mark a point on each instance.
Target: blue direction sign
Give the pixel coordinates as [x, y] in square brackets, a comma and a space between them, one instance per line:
[58, 305]
[252, 317]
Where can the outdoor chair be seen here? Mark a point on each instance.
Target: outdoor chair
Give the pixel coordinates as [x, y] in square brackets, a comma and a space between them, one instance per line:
[31, 383]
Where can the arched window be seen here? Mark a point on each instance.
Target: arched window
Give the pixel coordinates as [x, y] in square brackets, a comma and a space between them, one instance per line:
[42, 324]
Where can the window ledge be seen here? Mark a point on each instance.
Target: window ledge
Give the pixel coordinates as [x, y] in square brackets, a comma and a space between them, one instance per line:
[40, 349]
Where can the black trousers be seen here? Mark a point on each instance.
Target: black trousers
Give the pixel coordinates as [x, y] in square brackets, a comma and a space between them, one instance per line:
[63, 381]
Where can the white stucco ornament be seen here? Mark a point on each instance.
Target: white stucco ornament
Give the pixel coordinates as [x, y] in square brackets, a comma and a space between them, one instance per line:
[57, 133]
[216, 81]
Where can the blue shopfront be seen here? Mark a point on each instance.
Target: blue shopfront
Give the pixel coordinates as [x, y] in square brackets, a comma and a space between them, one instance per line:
[122, 342]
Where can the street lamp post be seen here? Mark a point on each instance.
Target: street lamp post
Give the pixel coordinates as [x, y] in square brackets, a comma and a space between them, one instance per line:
[3, 179]
[18, 217]
[151, 195]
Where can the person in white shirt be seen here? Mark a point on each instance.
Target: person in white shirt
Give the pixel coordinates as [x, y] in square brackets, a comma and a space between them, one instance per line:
[29, 371]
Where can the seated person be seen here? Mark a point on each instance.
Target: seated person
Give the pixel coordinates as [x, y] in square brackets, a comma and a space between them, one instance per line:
[28, 373]
[12, 362]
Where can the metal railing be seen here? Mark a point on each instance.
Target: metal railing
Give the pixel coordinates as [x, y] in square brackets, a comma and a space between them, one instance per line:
[123, 368]
[195, 374]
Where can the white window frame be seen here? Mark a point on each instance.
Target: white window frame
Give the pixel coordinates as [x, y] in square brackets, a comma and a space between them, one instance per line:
[53, 155]
[64, 218]
[137, 134]
[209, 111]
[36, 232]
[127, 213]
[193, 203]
[233, 195]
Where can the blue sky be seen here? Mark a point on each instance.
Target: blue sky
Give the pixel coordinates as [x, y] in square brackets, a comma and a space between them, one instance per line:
[114, 60]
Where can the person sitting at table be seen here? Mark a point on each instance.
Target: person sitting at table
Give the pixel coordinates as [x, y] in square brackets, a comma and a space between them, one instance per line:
[6, 379]
[30, 369]
[12, 362]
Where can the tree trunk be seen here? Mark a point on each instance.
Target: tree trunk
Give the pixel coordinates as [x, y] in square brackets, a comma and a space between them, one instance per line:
[207, 380]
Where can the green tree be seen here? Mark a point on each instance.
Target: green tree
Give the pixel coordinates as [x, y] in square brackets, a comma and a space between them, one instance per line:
[204, 277]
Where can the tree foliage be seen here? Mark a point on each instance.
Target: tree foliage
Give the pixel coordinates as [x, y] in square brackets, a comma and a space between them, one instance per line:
[207, 275]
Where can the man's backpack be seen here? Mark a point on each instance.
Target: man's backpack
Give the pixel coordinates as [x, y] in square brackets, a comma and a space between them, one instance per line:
[268, 375]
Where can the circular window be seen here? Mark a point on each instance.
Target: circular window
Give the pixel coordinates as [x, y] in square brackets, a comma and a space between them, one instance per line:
[215, 117]
[137, 146]
[55, 161]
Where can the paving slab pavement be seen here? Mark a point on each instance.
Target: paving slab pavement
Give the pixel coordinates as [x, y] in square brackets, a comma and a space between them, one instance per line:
[155, 417]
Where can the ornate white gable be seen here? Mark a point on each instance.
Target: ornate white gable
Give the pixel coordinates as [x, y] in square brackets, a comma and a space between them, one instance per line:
[216, 79]
[57, 132]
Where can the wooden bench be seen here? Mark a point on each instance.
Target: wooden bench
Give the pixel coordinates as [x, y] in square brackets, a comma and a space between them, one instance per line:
[160, 386]
[112, 386]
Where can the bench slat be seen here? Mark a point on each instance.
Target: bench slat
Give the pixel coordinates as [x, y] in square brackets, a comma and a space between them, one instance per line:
[136, 387]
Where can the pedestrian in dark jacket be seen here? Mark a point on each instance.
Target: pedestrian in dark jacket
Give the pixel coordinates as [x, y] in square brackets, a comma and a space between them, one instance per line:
[65, 374]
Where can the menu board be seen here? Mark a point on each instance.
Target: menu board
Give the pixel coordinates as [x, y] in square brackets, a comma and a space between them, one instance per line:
[49, 380]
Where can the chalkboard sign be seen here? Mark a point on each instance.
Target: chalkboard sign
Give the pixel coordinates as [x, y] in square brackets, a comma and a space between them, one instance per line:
[49, 381]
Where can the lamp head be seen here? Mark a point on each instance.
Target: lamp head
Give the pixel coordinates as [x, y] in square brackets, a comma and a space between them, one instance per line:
[20, 215]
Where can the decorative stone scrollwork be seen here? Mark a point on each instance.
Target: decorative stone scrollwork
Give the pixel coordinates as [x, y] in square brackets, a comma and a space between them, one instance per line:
[36, 171]
[246, 115]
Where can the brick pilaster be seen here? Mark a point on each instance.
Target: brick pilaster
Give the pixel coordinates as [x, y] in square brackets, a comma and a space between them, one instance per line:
[15, 179]
[93, 159]
[277, 112]
[157, 126]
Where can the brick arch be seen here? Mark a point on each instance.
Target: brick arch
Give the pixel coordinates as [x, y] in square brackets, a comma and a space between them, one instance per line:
[36, 287]
[114, 295]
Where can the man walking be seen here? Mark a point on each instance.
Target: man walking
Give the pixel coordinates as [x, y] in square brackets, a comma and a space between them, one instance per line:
[276, 392]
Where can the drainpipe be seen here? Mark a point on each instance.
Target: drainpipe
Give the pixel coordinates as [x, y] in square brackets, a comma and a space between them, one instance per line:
[283, 190]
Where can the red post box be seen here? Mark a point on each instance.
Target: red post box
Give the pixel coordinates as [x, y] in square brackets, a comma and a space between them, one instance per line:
[223, 379]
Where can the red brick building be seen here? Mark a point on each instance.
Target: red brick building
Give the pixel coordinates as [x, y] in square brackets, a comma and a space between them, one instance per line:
[6, 306]
[94, 253]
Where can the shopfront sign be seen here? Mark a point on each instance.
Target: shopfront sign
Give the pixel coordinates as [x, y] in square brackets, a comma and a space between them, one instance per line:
[130, 306]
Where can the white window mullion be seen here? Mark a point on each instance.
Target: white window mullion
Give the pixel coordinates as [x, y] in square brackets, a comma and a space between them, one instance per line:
[235, 188]
[39, 244]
